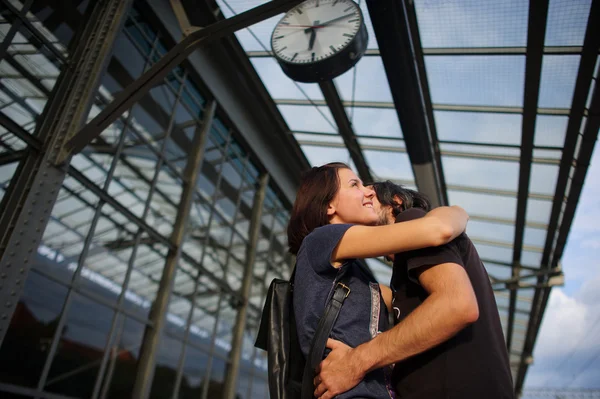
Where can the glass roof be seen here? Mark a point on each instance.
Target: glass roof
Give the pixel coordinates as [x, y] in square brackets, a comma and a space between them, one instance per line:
[475, 55]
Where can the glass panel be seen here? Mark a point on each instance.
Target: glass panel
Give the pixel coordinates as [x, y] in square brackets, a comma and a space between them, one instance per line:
[538, 210]
[476, 80]
[535, 237]
[28, 339]
[543, 179]
[371, 82]
[567, 21]
[257, 36]
[484, 204]
[194, 371]
[308, 119]
[494, 253]
[389, 165]
[260, 388]
[491, 231]
[6, 175]
[497, 271]
[531, 258]
[279, 85]
[472, 23]
[374, 122]
[559, 73]
[217, 376]
[169, 350]
[478, 127]
[550, 130]
[318, 156]
[124, 355]
[243, 384]
[481, 173]
[82, 343]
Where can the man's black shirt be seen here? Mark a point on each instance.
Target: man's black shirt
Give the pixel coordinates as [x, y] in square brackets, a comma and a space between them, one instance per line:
[472, 364]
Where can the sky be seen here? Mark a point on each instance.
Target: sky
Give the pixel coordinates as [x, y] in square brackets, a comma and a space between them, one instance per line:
[567, 352]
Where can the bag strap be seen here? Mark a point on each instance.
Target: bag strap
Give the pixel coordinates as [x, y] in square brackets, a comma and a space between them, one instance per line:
[319, 342]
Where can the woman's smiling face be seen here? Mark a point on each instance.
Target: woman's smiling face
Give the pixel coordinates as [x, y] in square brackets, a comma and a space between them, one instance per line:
[353, 202]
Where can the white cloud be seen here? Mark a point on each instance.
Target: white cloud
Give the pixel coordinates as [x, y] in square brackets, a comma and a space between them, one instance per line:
[567, 353]
[563, 314]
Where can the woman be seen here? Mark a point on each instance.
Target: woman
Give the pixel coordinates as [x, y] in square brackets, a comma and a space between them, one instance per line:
[331, 227]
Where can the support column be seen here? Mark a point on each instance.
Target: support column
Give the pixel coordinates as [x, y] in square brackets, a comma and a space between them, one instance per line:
[28, 202]
[233, 366]
[145, 370]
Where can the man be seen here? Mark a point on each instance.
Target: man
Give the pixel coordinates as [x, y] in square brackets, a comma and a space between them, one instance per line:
[447, 341]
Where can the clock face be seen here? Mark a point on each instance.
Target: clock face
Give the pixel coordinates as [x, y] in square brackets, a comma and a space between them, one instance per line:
[316, 30]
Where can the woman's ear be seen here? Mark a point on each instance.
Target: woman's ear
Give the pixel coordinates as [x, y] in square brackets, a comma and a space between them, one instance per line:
[330, 210]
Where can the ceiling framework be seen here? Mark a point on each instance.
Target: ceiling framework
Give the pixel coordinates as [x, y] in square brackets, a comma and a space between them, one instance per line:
[501, 113]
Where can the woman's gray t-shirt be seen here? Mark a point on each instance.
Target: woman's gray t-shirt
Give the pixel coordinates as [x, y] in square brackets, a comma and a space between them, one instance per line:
[363, 314]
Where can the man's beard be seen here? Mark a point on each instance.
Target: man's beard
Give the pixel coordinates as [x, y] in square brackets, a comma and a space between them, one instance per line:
[382, 219]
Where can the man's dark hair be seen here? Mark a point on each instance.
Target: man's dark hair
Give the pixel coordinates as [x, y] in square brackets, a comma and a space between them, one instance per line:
[318, 187]
[386, 192]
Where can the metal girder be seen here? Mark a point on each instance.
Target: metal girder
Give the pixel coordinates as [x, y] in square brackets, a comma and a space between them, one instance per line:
[344, 125]
[557, 50]
[240, 321]
[550, 259]
[494, 109]
[538, 13]
[404, 70]
[132, 93]
[119, 245]
[28, 202]
[11, 157]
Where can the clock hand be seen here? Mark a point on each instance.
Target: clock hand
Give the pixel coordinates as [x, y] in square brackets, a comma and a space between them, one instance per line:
[323, 24]
[311, 42]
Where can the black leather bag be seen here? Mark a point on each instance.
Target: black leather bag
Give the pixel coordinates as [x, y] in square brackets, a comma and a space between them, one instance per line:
[290, 377]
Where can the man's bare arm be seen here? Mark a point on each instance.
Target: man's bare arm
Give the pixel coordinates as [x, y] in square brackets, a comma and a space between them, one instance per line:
[450, 307]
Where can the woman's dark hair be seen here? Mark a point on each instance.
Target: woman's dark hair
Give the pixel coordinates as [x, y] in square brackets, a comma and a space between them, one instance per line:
[318, 187]
[386, 192]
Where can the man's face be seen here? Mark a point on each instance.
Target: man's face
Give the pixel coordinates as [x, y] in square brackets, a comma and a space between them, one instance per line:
[384, 212]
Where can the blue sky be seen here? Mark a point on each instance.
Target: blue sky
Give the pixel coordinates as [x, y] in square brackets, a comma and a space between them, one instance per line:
[567, 353]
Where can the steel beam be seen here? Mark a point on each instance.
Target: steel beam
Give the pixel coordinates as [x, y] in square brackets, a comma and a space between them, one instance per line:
[158, 311]
[174, 57]
[11, 157]
[459, 51]
[538, 13]
[403, 69]
[549, 258]
[426, 95]
[344, 125]
[493, 109]
[235, 354]
[28, 202]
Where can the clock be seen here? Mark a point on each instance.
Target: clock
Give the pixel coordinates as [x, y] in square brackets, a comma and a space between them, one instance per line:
[319, 40]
